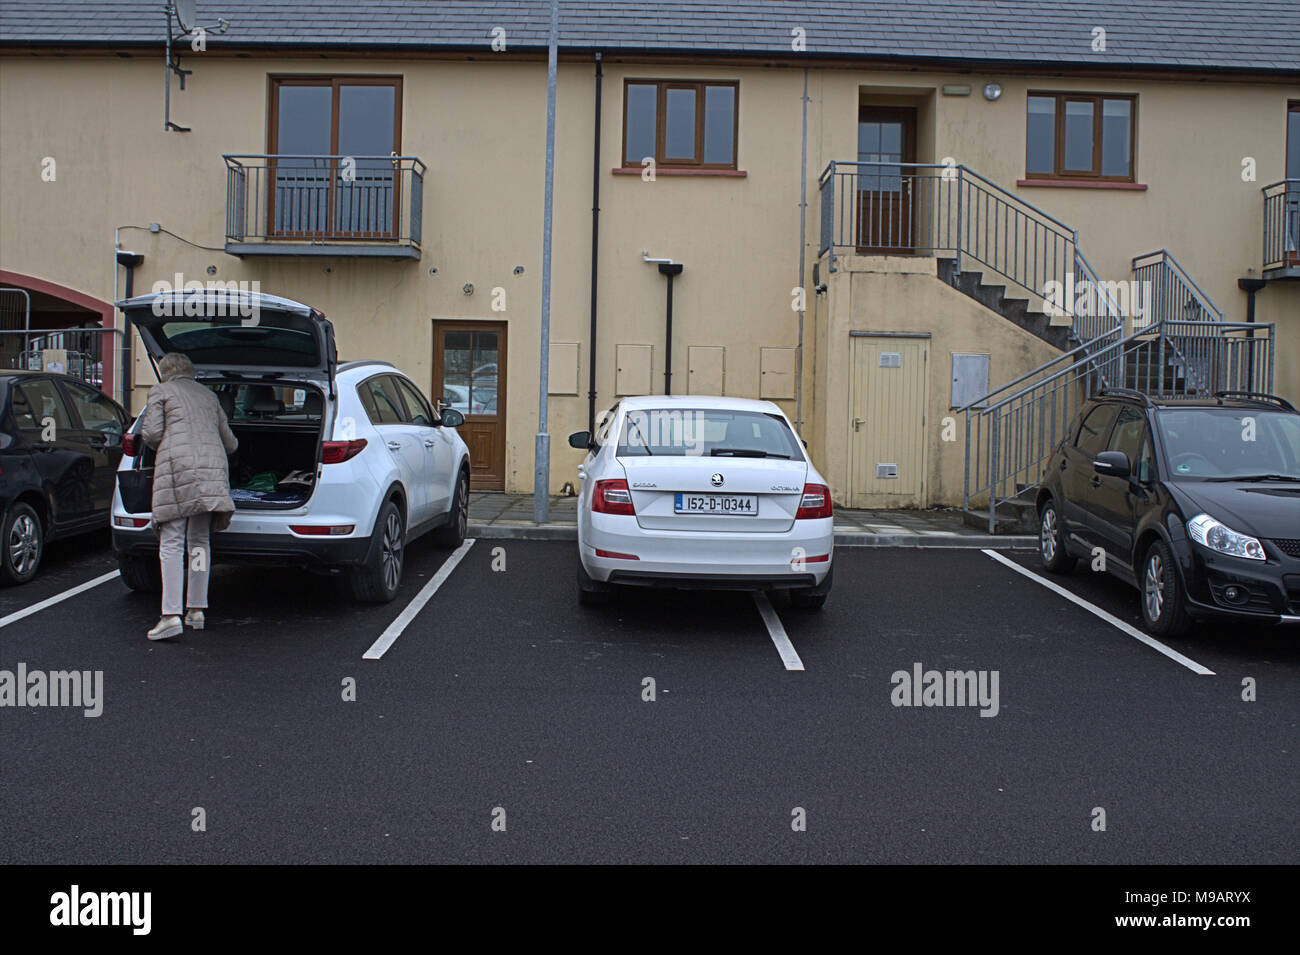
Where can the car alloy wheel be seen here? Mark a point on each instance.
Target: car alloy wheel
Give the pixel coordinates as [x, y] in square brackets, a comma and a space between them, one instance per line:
[462, 507]
[24, 544]
[392, 550]
[1154, 587]
[1047, 536]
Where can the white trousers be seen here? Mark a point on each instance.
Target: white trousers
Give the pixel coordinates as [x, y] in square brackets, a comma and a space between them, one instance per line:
[183, 550]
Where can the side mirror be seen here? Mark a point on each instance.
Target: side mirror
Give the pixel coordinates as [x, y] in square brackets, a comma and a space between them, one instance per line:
[451, 418]
[580, 440]
[1112, 464]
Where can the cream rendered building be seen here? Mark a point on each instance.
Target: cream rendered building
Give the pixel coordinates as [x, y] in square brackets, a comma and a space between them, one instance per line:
[943, 154]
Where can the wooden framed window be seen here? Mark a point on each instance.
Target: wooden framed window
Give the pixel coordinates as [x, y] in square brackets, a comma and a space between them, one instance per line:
[684, 123]
[1293, 142]
[1080, 136]
[315, 123]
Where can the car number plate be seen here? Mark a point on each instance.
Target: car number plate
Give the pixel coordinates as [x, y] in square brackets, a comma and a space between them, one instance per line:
[740, 505]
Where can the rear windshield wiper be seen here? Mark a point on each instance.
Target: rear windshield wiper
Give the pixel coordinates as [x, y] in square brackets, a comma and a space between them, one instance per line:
[745, 453]
[1257, 477]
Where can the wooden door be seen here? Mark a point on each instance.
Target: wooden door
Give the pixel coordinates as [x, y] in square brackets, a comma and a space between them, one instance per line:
[1291, 207]
[887, 431]
[469, 363]
[886, 203]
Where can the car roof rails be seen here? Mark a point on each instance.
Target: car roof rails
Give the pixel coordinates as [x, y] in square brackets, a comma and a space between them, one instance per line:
[1255, 396]
[1126, 393]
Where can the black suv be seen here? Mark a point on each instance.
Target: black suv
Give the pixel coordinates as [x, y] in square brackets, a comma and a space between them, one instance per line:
[60, 444]
[1194, 501]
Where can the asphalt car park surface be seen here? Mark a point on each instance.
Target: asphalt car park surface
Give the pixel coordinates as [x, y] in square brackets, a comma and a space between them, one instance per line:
[501, 692]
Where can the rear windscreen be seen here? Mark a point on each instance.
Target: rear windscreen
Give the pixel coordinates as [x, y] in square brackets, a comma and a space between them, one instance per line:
[279, 340]
[651, 432]
[246, 403]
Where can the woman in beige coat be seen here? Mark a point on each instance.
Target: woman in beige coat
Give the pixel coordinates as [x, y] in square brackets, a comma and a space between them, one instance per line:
[184, 422]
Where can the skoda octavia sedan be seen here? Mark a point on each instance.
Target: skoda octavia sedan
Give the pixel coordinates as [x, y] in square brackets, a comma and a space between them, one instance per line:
[1196, 502]
[701, 492]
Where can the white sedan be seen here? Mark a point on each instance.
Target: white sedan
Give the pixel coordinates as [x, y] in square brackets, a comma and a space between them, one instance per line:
[701, 492]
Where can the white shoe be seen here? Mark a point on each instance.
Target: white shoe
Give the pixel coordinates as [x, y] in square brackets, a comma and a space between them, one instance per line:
[194, 619]
[166, 627]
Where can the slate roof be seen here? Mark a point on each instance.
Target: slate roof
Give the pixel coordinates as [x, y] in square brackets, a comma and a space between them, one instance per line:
[1202, 35]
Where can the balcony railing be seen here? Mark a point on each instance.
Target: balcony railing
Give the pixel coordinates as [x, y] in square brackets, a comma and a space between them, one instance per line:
[361, 206]
[1282, 227]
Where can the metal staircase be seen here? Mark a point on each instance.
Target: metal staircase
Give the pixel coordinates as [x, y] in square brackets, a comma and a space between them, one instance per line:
[1181, 348]
[1026, 266]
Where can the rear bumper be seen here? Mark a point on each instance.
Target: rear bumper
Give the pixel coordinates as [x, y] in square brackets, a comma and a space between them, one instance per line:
[278, 549]
[691, 559]
[711, 581]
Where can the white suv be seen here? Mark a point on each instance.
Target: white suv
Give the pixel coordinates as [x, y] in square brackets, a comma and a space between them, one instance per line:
[338, 466]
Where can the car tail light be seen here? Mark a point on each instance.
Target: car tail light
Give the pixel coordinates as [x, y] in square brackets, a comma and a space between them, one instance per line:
[129, 442]
[136, 522]
[322, 530]
[336, 452]
[615, 555]
[612, 497]
[815, 503]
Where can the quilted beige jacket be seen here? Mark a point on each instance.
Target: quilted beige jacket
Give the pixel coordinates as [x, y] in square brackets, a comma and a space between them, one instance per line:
[184, 422]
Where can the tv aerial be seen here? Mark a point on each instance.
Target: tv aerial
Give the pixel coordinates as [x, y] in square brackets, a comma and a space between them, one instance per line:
[186, 15]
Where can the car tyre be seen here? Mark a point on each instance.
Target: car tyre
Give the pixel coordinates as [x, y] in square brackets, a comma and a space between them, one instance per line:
[377, 580]
[1051, 543]
[142, 574]
[1164, 602]
[452, 534]
[591, 593]
[813, 598]
[23, 544]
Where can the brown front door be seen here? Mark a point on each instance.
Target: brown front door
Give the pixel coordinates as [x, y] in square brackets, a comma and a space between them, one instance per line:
[469, 362]
[886, 194]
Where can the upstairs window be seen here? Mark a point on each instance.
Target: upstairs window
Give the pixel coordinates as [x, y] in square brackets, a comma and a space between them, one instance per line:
[680, 123]
[330, 142]
[1080, 136]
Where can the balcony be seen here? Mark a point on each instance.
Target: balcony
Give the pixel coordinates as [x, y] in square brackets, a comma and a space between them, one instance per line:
[336, 206]
[1282, 230]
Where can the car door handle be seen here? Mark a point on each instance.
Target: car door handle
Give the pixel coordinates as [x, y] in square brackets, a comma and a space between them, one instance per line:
[1095, 482]
[394, 445]
[428, 442]
[1064, 465]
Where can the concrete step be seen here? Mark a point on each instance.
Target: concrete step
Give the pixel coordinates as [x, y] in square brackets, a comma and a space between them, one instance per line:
[997, 298]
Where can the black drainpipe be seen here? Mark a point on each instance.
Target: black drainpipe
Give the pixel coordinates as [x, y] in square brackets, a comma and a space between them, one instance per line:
[669, 269]
[595, 249]
[129, 261]
[1250, 287]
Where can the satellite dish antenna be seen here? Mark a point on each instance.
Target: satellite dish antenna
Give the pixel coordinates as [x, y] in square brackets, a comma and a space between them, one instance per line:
[187, 14]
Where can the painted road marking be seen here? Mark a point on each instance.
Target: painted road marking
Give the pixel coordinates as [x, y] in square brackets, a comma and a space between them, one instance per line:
[394, 629]
[1120, 625]
[57, 598]
[777, 632]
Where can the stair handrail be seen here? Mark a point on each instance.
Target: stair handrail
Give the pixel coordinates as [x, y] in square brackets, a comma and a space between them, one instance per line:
[966, 170]
[1041, 368]
[1166, 258]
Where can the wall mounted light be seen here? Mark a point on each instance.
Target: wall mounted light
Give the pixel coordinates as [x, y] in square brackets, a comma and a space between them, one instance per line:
[992, 91]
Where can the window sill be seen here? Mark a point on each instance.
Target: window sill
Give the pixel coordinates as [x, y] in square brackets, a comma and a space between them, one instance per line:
[677, 171]
[1083, 184]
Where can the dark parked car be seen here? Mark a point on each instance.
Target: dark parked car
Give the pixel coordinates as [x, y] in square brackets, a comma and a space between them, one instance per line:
[60, 444]
[1196, 502]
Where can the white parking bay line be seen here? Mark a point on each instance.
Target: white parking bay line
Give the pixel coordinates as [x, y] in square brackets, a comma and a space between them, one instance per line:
[57, 598]
[394, 629]
[1114, 621]
[777, 632]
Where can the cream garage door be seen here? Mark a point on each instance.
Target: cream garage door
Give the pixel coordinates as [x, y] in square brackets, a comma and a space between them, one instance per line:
[887, 427]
